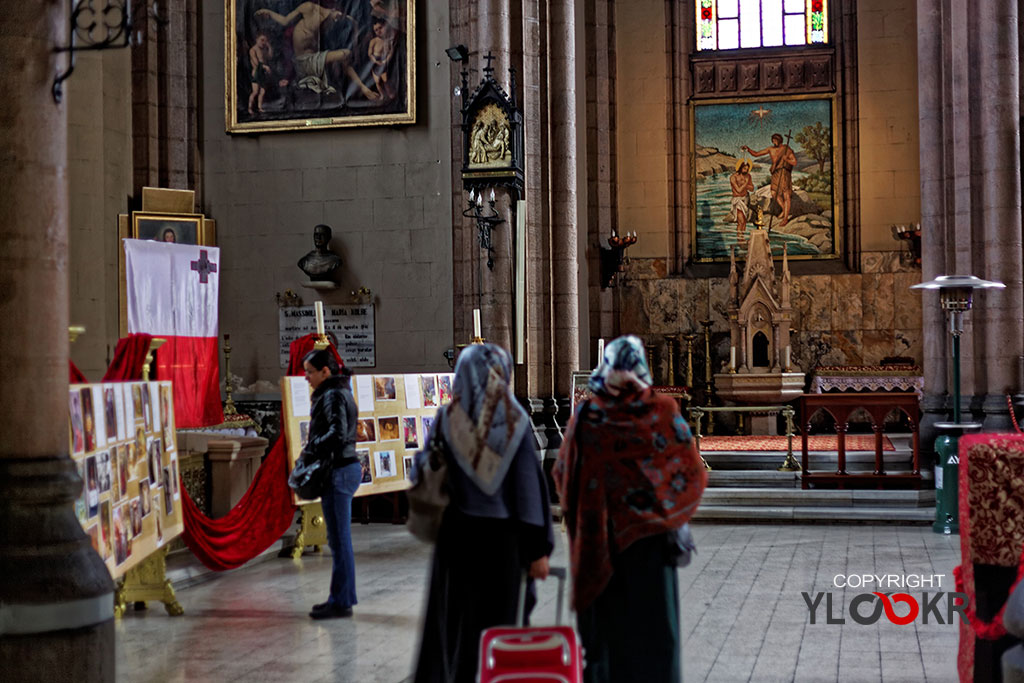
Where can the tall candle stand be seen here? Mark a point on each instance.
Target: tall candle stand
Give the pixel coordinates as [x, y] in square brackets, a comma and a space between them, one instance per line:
[709, 388]
[670, 343]
[229, 404]
[689, 338]
[650, 355]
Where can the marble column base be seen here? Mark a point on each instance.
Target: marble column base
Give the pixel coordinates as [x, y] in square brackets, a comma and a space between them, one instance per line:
[56, 592]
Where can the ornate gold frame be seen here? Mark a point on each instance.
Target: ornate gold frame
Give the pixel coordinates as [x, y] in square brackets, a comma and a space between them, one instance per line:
[838, 225]
[302, 121]
[195, 219]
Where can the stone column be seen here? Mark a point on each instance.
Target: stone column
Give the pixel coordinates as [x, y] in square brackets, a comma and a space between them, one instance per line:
[539, 370]
[56, 596]
[564, 213]
[998, 315]
[969, 100]
[497, 314]
[944, 129]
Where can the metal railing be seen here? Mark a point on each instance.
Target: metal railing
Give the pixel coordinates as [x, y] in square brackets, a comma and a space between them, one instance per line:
[788, 465]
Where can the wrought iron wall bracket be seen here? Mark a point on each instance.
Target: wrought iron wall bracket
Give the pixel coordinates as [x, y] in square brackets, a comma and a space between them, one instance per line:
[486, 221]
[94, 27]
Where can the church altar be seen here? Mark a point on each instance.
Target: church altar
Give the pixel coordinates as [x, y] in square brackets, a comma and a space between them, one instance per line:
[868, 378]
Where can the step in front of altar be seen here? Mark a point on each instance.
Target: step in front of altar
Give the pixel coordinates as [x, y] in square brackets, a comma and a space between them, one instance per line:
[746, 486]
[865, 514]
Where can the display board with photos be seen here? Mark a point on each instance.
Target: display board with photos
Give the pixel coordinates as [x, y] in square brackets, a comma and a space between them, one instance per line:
[122, 441]
[395, 416]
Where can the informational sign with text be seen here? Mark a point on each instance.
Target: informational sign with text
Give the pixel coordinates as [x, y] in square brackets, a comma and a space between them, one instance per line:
[352, 327]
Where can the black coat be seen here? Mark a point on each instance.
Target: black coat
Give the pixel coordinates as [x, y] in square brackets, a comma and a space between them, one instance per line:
[332, 425]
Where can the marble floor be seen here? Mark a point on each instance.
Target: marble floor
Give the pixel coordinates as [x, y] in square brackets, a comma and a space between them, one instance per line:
[743, 615]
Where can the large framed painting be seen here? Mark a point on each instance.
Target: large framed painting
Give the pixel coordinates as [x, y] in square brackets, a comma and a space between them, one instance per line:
[767, 163]
[299, 65]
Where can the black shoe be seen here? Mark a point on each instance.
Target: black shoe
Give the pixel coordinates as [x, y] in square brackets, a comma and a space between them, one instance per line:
[320, 606]
[331, 612]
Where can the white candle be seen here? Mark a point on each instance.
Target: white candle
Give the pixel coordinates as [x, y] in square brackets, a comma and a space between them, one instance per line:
[788, 353]
[476, 323]
[732, 357]
[319, 317]
[492, 194]
[600, 350]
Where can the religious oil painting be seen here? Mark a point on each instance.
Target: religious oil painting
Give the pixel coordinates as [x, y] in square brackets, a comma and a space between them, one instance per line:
[428, 391]
[366, 430]
[770, 164]
[364, 463]
[385, 465]
[384, 388]
[444, 389]
[388, 428]
[168, 227]
[307, 64]
[409, 432]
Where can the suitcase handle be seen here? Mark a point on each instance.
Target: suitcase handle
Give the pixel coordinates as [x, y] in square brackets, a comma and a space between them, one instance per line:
[509, 644]
[558, 572]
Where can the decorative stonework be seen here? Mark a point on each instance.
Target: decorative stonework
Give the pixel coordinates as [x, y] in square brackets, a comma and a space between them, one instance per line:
[775, 74]
[760, 313]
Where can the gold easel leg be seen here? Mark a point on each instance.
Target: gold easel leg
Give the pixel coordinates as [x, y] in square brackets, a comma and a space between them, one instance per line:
[148, 581]
[312, 530]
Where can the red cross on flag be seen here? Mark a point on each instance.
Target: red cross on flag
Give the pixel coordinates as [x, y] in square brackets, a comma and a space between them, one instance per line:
[172, 293]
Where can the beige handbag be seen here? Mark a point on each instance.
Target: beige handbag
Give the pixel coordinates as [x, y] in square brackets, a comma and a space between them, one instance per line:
[429, 497]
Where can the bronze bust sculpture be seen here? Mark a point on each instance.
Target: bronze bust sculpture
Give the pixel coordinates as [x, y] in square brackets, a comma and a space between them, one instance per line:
[320, 263]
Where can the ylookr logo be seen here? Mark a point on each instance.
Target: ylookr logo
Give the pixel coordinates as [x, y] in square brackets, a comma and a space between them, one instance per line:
[867, 608]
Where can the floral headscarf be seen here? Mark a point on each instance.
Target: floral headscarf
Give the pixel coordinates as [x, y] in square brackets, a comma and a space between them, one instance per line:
[484, 423]
[628, 468]
[622, 370]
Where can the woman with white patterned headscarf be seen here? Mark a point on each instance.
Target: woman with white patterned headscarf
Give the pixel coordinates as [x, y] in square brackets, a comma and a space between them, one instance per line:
[498, 523]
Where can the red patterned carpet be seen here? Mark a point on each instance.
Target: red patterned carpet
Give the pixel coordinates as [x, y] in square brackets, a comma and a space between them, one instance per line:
[859, 442]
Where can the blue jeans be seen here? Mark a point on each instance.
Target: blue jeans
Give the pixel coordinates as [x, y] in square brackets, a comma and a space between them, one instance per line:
[337, 506]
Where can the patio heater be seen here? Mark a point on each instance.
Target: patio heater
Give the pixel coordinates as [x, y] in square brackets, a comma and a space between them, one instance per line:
[955, 294]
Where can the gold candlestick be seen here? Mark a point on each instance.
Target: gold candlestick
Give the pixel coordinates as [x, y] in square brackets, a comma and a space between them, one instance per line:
[154, 344]
[709, 388]
[689, 338]
[229, 404]
[670, 342]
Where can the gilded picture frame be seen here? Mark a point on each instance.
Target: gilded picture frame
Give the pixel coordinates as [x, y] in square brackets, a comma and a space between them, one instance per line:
[302, 65]
[168, 227]
[792, 183]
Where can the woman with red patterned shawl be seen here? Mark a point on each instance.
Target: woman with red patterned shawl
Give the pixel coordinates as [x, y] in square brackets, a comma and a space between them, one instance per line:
[629, 477]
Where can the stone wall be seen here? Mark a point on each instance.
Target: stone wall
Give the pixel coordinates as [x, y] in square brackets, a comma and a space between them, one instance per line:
[855, 318]
[98, 102]
[385, 191]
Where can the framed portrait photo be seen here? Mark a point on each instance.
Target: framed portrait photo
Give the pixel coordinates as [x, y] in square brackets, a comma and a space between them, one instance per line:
[770, 164]
[160, 227]
[306, 64]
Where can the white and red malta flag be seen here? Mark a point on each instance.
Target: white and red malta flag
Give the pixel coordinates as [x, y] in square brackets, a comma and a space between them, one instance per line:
[172, 293]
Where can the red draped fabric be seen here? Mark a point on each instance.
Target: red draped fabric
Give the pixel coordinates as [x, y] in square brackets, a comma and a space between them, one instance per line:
[190, 363]
[991, 504]
[262, 515]
[129, 357]
[298, 349]
[76, 376]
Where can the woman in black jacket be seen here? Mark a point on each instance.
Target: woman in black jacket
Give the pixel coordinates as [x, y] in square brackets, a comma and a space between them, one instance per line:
[332, 437]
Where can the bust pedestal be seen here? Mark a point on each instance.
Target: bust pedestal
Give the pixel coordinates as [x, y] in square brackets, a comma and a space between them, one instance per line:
[320, 284]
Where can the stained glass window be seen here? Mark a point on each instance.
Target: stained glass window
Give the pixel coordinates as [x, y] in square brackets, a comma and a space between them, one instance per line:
[732, 24]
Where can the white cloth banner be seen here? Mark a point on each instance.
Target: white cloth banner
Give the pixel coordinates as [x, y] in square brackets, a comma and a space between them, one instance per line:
[172, 288]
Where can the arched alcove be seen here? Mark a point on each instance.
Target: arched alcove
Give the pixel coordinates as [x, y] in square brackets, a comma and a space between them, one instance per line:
[759, 350]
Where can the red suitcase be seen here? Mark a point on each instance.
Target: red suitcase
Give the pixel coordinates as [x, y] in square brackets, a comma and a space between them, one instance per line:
[541, 654]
